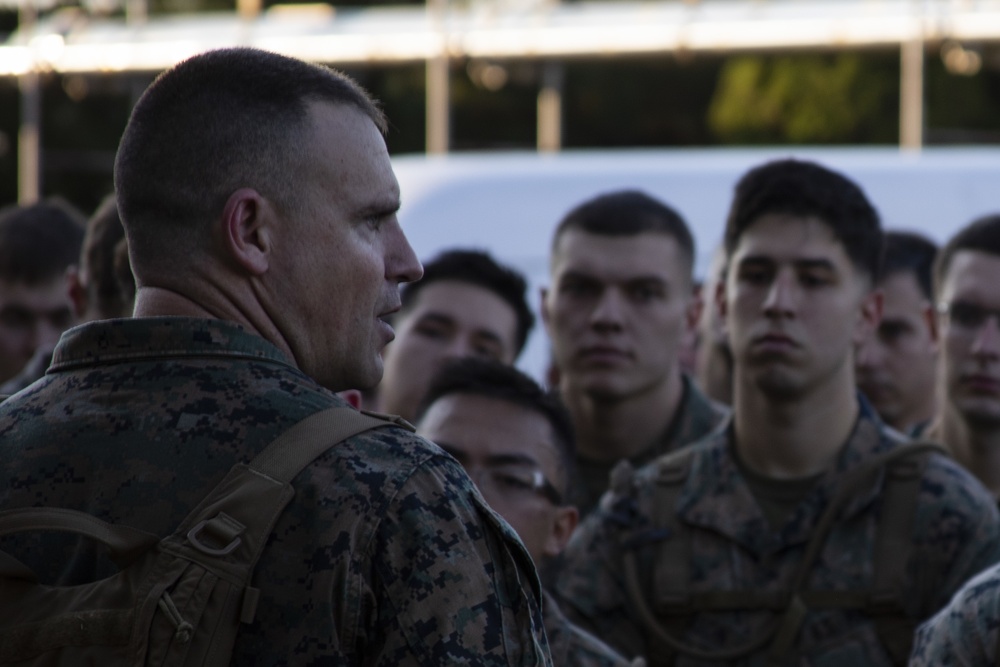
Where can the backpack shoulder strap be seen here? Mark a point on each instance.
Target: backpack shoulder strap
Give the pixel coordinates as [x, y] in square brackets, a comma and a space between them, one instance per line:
[300, 445]
[893, 545]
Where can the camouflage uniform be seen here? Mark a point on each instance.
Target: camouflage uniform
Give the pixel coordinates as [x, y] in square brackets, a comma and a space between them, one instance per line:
[572, 646]
[387, 555]
[956, 533]
[967, 631]
[695, 418]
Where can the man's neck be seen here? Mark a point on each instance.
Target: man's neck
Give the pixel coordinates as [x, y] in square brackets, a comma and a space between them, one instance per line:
[610, 430]
[793, 438]
[921, 414]
[976, 449]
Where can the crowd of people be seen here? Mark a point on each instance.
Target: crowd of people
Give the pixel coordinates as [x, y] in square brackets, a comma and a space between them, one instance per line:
[795, 461]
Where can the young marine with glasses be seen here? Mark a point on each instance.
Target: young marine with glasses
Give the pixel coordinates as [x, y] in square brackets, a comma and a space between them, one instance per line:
[966, 276]
[516, 443]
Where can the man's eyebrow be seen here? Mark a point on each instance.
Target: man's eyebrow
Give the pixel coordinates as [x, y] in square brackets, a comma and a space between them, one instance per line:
[815, 263]
[436, 317]
[379, 209]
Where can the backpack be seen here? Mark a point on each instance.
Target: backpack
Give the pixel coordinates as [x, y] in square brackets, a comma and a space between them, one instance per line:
[672, 598]
[178, 600]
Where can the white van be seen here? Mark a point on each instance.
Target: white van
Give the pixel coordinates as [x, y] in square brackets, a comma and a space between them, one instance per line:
[509, 203]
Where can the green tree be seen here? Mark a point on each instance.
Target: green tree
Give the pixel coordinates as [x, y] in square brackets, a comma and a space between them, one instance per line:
[817, 99]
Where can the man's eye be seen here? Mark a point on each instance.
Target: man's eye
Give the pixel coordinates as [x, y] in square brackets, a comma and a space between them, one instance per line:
[432, 332]
[892, 332]
[577, 289]
[754, 276]
[511, 481]
[643, 293]
[16, 319]
[813, 280]
[487, 352]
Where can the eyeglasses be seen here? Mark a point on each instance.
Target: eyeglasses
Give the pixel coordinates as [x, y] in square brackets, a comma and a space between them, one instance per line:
[966, 315]
[515, 481]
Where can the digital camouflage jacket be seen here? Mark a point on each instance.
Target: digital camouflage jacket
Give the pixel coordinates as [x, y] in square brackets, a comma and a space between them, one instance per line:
[696, 416]
[966, 633]
[386, 556]
[733, 547]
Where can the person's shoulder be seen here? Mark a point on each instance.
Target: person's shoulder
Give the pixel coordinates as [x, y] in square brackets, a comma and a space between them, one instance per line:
[948, 483]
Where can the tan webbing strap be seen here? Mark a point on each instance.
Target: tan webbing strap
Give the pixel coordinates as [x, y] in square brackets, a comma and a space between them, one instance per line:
[893, 543]
[672, 567]
[300, 445]
[124, 543]
[853, 484]
[783, 631]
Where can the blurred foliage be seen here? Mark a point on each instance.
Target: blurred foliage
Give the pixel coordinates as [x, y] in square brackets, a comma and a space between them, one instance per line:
[807, 99]
[667, 100]
[657, 101]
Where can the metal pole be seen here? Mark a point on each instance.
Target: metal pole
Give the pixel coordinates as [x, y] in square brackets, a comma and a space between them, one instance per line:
[911, 94]
[550, 108]
[29, 141]
[438, 87]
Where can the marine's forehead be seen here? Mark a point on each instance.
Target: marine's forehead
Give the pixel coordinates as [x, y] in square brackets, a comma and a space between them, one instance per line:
[618, 257]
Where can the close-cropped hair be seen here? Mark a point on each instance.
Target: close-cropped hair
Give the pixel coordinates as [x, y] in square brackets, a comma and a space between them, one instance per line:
[627, 213]
[40, 241]
[217, 122]
[982, 235]
[104, 233]
[492, 379]
[478, 268]
[806, 189]
[910, 252]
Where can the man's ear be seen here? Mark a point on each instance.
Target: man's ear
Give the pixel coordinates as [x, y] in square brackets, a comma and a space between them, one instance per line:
[695, 307]
[563, 524]
[931, 322]
[247, 228]
[76, 290]
[870, 315]
[543, 306]
[720, 302]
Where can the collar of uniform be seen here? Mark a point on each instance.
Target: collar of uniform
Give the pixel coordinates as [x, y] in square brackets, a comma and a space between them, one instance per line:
[159, 338]
[696, 414]
[717, 497]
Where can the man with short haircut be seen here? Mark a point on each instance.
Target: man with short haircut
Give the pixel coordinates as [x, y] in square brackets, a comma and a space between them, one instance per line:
[466, 305]
[806, 532]
[259, 204]
[713, 365]
[619, 305]
[896, 367]
[516, 442]
[968, 421]
[38, 243]
[94, 284]
[93, 287]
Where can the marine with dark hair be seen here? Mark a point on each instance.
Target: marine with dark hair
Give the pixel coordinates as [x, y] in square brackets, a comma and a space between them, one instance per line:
[968, 420]
[38, 243]
[618, 308]
[806, 532]
[967, 631]
[94, 284]
[259, 204]
[466, 305]
[896, 365]
[516, 441]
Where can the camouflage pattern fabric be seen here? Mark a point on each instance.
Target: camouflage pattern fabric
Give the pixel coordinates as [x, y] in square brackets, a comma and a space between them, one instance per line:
[387, 555]
[966, 633]
[572, 646]
[956, 533]
[696, 416]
